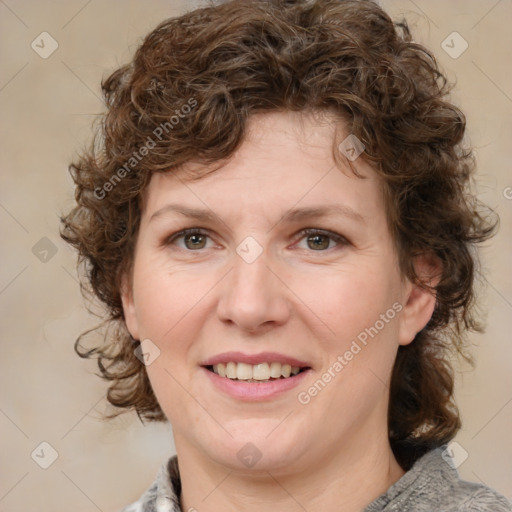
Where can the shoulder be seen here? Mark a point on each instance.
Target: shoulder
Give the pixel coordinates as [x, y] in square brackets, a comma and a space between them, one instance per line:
[163, 495]
[479, 498]
[461, 495]
[433, 483]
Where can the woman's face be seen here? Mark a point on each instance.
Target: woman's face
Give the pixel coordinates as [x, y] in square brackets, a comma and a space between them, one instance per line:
[289, 266]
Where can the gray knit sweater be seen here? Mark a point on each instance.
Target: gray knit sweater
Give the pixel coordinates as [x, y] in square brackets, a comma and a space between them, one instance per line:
[431, 485]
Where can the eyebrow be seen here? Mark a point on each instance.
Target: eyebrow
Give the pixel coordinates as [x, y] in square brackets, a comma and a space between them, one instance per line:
[293, 215]
[185, 211]
[315, 212]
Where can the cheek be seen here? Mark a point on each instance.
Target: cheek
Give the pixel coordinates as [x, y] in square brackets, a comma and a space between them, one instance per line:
[170, 386]
[358, 331]
[171, 310]
[165, 300]
[348, 301]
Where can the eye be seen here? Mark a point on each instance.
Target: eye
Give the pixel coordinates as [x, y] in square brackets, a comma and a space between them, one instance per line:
[190, 239]
[320, 240]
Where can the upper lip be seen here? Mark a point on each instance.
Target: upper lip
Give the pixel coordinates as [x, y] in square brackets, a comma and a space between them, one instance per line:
[262, 357]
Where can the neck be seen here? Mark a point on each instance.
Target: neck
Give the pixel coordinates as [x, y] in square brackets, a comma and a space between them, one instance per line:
[354, 476]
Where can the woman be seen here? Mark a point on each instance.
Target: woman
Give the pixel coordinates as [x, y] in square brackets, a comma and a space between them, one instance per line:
[278, 217]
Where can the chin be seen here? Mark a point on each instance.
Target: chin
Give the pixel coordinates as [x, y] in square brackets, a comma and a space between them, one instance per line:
[257, 445]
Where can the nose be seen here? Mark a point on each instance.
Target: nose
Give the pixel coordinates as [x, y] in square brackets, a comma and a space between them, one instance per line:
[253, 298]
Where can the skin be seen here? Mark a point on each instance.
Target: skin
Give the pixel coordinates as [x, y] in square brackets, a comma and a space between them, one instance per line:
[294, 299]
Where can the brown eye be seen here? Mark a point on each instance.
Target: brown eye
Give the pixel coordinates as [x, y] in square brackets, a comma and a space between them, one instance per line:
[192, 239]
[321, 240]
[195, 241]
[318, 242]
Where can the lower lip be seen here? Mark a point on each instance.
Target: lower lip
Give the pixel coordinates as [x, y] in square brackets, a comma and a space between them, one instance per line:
[255, 391]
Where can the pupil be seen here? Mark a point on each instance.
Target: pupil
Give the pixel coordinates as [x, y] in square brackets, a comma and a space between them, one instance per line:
[195, 241]
[318, 242]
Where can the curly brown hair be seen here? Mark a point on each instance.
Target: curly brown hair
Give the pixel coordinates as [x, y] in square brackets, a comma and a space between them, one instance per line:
[187, 95]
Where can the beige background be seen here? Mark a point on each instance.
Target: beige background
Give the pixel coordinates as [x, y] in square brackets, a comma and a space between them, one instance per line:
[47, 393]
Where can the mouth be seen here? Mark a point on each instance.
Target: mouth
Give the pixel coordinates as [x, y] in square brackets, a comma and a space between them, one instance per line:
[256, 373]
[255, 377]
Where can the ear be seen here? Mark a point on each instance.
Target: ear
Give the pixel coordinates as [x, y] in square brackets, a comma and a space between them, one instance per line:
[130, 316]
[419, 303]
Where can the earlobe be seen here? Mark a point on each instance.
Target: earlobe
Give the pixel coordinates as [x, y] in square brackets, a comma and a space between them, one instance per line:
[419, 302]
[129, 312]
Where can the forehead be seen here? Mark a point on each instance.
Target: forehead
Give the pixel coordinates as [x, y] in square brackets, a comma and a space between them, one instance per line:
[286, 160]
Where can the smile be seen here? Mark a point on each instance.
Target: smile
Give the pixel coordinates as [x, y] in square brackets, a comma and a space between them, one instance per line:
[255, 377]
[262, 372]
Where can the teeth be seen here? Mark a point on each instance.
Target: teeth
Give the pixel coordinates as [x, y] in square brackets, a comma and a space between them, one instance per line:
[230, 370]
[257, 372]
[275, 370]
[261, 371]
[243, 371]
[221, 369]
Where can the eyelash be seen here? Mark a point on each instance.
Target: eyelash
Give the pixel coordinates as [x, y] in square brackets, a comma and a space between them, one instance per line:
[335, 237]
[338, 239]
